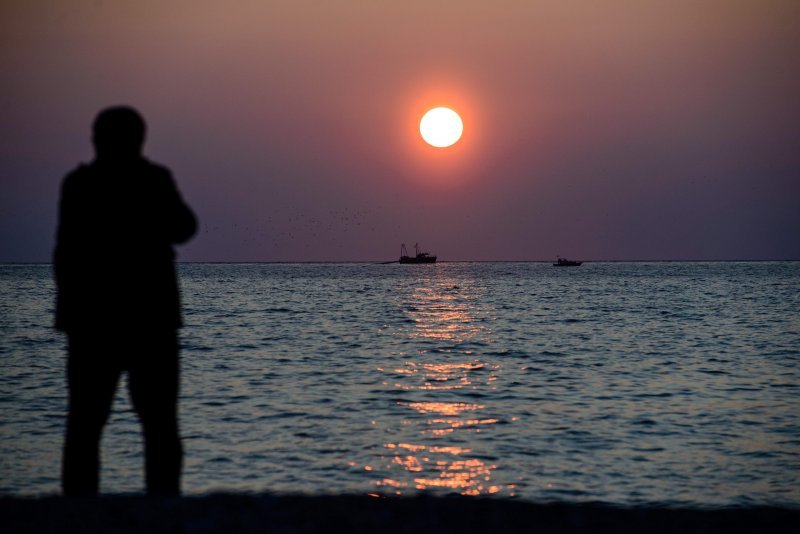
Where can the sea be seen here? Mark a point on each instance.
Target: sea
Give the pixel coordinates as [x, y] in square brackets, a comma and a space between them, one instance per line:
[629, 383]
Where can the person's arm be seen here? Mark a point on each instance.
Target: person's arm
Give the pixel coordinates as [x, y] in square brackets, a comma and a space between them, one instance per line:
[64, 231]
[183, 223]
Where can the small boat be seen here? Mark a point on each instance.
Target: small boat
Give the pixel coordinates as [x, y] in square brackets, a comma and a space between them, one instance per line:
[563, 262]
[421, 257]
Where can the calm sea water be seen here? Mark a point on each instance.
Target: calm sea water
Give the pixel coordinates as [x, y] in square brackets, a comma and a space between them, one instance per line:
[668, 383]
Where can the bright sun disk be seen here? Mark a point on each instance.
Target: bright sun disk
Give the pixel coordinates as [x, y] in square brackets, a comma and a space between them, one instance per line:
[441, 127]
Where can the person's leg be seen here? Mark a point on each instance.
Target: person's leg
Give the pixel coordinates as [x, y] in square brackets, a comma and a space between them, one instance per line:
[153, 381]
[92, 378]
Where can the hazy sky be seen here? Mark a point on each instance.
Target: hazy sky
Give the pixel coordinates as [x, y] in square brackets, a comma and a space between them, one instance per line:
[592, 129]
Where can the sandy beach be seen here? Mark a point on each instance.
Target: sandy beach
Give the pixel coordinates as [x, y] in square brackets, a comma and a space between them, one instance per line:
[290, 514]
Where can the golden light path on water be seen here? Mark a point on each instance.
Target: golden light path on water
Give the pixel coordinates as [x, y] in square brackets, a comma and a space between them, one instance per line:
[441, 327]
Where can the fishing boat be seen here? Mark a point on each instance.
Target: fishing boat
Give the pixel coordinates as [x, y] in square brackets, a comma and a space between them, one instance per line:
[420, 257]
[563, 262]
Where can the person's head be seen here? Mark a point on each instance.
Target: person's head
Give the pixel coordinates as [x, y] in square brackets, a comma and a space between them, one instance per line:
[118, 133]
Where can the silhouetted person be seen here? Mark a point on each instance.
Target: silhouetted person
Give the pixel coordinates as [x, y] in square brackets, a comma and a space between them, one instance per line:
[118, 300]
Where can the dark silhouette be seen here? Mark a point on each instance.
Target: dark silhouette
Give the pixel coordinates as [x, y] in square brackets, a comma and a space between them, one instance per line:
[118, 300]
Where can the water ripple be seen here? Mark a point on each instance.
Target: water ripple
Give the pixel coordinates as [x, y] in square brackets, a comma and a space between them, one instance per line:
[625, 383]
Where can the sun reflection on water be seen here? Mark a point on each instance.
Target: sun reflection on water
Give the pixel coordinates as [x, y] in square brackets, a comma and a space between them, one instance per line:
[443, 408]
[469, 475]
[447, 334]
[439, 376]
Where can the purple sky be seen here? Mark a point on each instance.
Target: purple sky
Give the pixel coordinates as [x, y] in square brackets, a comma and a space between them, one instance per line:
[604, 130]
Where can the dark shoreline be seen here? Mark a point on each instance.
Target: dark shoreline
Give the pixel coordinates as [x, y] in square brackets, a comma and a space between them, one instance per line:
[355, 513]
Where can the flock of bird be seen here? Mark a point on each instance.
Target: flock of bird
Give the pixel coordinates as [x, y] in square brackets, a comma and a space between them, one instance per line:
[280, 231]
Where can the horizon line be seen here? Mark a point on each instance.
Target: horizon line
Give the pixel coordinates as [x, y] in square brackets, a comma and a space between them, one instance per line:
[384, 262]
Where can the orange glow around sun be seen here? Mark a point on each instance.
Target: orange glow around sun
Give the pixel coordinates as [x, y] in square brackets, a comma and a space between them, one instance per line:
[459, 156]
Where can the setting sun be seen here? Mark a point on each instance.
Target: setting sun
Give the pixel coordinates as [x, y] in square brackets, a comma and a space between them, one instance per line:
[441, 127]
